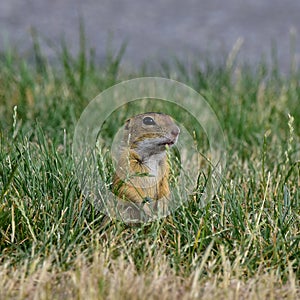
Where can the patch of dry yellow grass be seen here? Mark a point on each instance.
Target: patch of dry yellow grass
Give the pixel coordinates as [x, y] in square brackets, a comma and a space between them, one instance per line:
[103, 278]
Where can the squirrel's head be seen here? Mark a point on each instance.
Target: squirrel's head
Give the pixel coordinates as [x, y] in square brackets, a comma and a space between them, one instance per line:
[150, 133]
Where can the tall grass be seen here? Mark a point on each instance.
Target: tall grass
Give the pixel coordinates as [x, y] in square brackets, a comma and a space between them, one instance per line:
[242, 244]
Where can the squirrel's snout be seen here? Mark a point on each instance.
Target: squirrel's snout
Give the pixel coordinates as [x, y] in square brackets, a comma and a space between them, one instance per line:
[175, 131]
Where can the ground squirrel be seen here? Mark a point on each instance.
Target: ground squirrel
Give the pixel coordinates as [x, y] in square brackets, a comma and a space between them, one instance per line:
[142, 170]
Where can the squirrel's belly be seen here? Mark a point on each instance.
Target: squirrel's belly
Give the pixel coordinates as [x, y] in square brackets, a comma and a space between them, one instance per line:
[138, 189]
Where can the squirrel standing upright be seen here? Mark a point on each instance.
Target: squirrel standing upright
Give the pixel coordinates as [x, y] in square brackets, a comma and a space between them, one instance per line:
[142, 170]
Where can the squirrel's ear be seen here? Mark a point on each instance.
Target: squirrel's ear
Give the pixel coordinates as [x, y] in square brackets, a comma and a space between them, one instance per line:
[127, 124]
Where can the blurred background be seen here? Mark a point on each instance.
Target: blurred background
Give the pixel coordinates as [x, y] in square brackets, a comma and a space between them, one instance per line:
[157, 30]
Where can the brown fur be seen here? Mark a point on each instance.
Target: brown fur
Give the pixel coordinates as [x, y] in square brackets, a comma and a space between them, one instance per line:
[142, 172]
[136, 187]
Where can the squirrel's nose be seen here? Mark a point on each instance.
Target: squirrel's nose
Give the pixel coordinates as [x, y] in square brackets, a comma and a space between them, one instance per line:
[175, 131]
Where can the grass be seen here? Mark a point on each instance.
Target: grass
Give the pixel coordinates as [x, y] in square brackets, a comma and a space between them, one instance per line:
[244, 244]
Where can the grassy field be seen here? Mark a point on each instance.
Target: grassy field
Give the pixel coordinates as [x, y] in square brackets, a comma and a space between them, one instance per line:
[244, 244]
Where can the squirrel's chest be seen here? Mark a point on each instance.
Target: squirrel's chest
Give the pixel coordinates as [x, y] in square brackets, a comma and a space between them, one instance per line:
[142, 178]
[155, 165]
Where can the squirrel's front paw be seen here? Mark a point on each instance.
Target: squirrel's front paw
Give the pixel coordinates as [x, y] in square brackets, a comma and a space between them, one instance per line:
[146, 200]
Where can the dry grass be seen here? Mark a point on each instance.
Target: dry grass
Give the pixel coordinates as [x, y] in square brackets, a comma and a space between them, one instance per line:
[103, 278]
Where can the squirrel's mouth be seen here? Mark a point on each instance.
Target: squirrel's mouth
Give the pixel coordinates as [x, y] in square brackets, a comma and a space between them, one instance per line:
[169, 142]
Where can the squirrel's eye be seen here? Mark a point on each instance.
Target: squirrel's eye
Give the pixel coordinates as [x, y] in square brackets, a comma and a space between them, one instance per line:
[148, 121]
